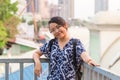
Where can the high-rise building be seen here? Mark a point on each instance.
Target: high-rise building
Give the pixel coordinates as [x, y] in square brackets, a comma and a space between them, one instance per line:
[40, 7]
[53, 10]
[66, 9]
[36, 6]
[101, 5]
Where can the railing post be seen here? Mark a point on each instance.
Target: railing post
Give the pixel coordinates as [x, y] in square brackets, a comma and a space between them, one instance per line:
[21, 70]
[6, 71]
[35, 77]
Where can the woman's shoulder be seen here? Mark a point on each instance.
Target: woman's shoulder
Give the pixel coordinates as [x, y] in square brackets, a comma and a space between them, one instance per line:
[78, 41]
[73, 39]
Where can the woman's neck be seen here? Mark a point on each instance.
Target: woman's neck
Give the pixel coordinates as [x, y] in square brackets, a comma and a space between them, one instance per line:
[64, 39]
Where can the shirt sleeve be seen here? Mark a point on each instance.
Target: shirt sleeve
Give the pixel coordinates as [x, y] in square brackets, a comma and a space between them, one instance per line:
[44, 49]
[79, 49]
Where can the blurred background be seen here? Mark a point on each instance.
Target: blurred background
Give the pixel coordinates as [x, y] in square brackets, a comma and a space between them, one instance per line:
[23, 27]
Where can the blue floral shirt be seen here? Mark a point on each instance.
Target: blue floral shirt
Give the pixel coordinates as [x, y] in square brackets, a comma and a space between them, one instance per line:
[61, 61]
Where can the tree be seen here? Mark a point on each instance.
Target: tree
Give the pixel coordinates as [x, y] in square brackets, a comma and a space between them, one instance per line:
[44, 23]
[11, 26]
[7, 9]
[3, 35]
[31, 22]
[8, 21]
[23, 20]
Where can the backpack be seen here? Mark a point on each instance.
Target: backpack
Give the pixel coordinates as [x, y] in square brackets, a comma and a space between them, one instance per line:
[78, 69]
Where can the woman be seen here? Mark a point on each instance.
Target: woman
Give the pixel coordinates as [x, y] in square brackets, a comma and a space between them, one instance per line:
[61, 56]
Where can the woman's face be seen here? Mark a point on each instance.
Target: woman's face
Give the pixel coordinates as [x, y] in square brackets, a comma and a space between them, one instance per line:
[57, 30]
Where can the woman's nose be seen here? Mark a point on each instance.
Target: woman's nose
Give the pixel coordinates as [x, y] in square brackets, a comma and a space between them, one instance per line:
[56, 30]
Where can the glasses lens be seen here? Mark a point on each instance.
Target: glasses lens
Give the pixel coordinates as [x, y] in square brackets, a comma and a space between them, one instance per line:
[57, 27]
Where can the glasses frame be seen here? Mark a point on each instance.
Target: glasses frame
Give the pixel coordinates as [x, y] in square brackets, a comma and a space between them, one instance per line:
[56, 28]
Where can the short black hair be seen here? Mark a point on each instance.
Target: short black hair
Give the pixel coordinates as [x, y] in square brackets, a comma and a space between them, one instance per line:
[58, 20]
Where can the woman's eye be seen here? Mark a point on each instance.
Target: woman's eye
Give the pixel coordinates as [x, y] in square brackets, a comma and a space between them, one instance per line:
[52, 30]
[58, 26]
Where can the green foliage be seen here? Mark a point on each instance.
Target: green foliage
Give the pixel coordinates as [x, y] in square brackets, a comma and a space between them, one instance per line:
[44, 23]
[30, 22]
[23, 20]
[3, 35]
[7, 9]
[8, 21]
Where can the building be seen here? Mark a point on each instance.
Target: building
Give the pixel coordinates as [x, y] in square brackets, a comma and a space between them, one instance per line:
[39, 7]
[101, 5]
[105, 39]
[66, 9]
[53, 10]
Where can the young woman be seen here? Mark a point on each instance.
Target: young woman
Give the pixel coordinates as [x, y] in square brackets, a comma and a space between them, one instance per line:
[61, 56]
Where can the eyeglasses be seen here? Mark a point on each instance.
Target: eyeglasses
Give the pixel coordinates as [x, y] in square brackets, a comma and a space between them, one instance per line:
[56, 28]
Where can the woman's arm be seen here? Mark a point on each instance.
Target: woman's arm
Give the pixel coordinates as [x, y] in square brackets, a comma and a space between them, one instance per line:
[86, 58]
[38, 67]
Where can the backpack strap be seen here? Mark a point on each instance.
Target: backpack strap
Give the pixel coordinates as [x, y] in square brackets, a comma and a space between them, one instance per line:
[74, 52]
[50, 45]
[77, 68]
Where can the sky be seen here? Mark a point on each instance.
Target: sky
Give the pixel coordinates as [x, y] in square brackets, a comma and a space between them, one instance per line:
[85, 8]
[114, 5]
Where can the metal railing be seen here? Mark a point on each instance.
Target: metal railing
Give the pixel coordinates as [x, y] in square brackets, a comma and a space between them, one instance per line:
[21, 63]
[89, 72]
[98, 73]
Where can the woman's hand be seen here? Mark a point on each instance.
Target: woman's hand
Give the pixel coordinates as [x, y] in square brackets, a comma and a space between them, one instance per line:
[86, 58]
[38, 66]
[92, 63]
[38, 69]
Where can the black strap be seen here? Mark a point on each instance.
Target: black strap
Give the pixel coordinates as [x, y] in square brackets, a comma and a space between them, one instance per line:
[74, 53]
[77, 68]
[50, 45]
